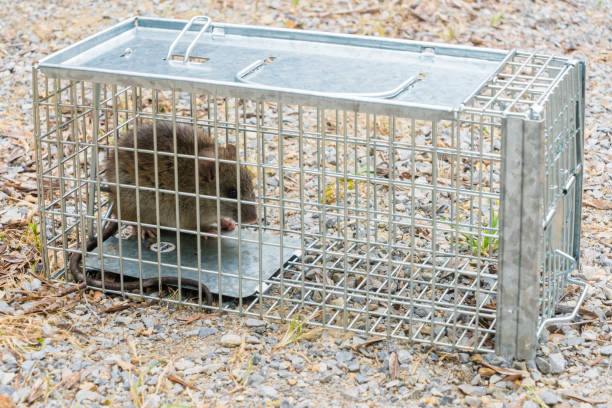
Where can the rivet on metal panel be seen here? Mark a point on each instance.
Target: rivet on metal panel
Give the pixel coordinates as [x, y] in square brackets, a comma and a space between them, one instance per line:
[218, 32]
[535, 112]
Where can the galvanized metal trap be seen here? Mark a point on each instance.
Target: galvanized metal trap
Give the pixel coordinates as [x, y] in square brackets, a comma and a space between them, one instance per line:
[420, 191]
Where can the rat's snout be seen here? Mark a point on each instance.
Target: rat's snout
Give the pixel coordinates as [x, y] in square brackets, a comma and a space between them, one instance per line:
[249, 213]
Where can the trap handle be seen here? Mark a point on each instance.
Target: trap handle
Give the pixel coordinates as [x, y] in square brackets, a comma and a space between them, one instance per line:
[207, 22]
[391, 93]
[583, 285]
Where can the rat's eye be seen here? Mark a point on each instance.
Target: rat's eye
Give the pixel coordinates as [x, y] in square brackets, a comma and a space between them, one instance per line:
[231, 193]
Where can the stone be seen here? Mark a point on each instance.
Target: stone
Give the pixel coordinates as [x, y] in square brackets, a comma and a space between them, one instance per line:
[350, 393]
[473, 401]
[468, 389]
[254, 323]
[572, 341]
[530, 404]
[6, 390]
[5, 308]
[212, 368]
[231, 340]
[361, 378]
[589, 335]
[250, 339]
[35, 284]
[27, 366]
[476, 380]
[256, 379]
[183, 364]
[549, 397]
[606, 350]
[267, 392]
[207, 331]
[344, 356]
[86, 395]
[9, 360]
[404, 356]
[557, 363]
[543, 364]
[6, 378]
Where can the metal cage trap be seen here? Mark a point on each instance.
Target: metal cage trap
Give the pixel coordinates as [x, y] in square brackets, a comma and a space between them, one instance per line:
[413, 190]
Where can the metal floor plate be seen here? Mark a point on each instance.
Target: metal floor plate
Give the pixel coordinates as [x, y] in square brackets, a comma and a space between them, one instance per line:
[270, 259]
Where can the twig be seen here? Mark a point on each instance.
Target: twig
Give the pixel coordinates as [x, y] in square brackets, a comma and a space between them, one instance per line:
[116, 307]
[366, 343]
[184, 383]
[580, 323]
[364, 10]
[71, 289]
[584, 399]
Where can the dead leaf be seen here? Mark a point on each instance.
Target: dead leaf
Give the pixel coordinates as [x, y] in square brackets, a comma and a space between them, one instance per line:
[583, 399]
[6, 402]
[382, 172]
[505, 371]
[97, 296]
[486, 372]
[14, 259]
[126, 366]
[38, 389]
[393, 366]
[197, 316]
[117, 307]
[367, 343]
[598, 204]
[70, 289]
[184, 383]
[71, 379]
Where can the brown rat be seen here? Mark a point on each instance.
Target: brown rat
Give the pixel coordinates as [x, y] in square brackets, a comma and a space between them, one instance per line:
[186, 180]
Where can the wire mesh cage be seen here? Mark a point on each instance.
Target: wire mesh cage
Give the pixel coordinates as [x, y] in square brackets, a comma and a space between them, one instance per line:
[299, 175]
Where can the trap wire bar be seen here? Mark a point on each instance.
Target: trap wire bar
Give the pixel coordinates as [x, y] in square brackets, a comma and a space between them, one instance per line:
[413, 190]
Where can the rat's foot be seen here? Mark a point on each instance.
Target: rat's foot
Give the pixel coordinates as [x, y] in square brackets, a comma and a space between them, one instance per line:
[227, 224]
[145, 232]
[211, 231]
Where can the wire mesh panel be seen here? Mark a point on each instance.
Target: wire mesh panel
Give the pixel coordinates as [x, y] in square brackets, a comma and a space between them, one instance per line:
[377, 218]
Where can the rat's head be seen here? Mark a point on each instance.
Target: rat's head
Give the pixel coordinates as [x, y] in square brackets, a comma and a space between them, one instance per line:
[228, 186]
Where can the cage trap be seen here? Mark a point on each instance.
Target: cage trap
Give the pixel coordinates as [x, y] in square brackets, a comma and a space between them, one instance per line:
[432, 192]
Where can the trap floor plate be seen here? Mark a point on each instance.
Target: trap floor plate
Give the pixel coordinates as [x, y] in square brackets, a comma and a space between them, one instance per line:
[271, 259]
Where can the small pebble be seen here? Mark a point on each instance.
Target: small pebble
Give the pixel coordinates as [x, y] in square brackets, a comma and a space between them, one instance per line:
[231, 340]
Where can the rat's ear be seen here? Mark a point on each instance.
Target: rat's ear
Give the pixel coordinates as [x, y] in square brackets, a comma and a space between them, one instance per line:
[206, 168]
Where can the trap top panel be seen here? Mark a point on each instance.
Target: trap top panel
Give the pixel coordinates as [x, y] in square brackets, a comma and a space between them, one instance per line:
[248, 60]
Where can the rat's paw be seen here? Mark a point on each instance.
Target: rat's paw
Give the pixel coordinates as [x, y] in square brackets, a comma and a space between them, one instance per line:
[148, 232]
[145, 232]
[227, 224]
[210, 231]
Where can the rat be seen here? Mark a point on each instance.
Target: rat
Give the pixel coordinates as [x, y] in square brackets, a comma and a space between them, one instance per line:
[228, 187]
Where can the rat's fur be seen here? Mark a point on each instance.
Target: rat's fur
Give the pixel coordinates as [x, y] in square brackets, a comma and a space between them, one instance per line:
[186, 179]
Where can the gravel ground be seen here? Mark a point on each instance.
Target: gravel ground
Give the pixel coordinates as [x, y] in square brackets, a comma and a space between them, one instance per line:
[87, 349]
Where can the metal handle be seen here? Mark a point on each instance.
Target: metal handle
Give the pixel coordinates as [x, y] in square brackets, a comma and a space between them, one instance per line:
[207, 22]
[392, 93]
[562, 319]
